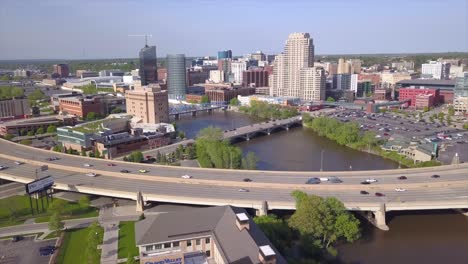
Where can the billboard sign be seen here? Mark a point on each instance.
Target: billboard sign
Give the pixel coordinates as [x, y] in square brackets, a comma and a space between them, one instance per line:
[39, 185]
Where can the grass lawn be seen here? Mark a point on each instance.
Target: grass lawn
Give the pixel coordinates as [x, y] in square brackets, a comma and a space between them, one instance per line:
[51, 235]
[73, 247]
[127, 239]
[16, 209]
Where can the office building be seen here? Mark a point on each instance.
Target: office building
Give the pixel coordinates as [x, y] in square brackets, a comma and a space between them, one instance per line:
[286, 78]
[176, 82]
[313, 83]
[420, 97]
[222, 96]
[14, 108]
[343, 67]
[217, 235]
[388, 80]
[148, 65]
[224, 54]
[197, 76]
[258, 56]
[354, 66]
[80, 106]
[342, 81]
[257, 77]
[224, 65]
[364, 89]
[331, 68]
[237, 68]
[105, 73]
[461, 85]
[217, 76]
[61, 70]
[86, 74]
[403, 65]
[354, 82]
[22, 73]
[148, 103]
[435, 70]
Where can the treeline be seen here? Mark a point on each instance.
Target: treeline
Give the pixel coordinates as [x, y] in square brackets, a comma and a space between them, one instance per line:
[268, 111]
[214, 152]
[8, 92]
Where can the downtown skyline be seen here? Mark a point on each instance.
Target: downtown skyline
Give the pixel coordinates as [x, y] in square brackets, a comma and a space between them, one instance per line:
[200, 28]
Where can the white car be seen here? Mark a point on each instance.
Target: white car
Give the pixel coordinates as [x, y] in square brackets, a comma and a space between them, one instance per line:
[186, 176]
[3, 167]
[18, 162]
[371, 180]
[400, 189]
[87, 165]
[91, 174]
[324, 179]
[243, 190]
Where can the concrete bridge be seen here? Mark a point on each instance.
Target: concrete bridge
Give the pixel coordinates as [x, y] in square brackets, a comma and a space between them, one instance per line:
[193, 110]
[263, 128]
[268, 190]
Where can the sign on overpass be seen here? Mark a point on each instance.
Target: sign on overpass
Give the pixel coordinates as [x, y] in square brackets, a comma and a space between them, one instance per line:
[39, 185]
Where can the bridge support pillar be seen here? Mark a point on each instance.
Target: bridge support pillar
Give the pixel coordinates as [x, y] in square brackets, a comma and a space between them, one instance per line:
[263, 209]
[177, 116]
[139, 202]
[379, 218]
[194, 113]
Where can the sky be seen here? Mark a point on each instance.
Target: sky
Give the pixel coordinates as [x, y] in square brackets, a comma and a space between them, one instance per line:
[72, 29]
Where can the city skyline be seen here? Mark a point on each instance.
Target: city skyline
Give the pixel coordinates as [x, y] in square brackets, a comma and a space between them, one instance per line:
[61, 31]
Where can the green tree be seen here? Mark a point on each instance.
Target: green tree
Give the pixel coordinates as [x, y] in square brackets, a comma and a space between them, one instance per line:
[441, 117]
[163, 159]
[136, 156]
[51, 129]
[158, 157]
[17, 92]
[181, 134]
[210, 133]
[55, 222]
[84, 202]
[449, 120]
[40, 131]
[426, 108]
[116, 110]
[91, 251]
[8, 136]
[451, 110]
[465, 126]
[26, 142]
[277, 231]
[205, 99]
[324, 219]
[131, 259]
[97, 154]
[83, 152]
[57, 206]
[330, 99]
[35, 96]
[234, 101]
[91, 116]
[89, 89]
[250, 161]
[30, 133]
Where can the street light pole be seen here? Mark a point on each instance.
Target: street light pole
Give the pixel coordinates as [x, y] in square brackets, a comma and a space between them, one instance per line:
[321, 160]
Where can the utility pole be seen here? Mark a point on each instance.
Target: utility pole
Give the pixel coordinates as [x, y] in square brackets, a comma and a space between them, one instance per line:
[321, 160]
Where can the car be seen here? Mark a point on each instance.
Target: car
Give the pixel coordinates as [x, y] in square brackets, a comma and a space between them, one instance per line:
[400, 189]
[243, 190]
[402, 178]
[87, 165]
[111, 164]
[17, 238]
[371, 180]
[186, 176]
[364, 182]
[364, 192]
[378, 194]
[52, 158]
[142, 171]
[148, 157]
[47, 250]
[3, 167]
[335, 180]
[313, 181]
[91, 174]
[247, 180]
[435, 176]
[323, 179]
[124, 171]
[19, 162]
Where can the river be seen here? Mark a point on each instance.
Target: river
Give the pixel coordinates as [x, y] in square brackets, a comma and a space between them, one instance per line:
[414, 237]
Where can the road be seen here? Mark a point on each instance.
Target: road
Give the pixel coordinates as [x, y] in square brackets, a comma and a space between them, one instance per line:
[216, 187]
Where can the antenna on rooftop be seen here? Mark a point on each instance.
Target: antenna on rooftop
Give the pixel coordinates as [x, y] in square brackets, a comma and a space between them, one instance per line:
[143, 35]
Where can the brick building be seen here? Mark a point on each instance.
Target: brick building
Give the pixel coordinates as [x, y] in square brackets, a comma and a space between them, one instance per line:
[80, 106]
[223, 95]
[259, 77]
[412, 94]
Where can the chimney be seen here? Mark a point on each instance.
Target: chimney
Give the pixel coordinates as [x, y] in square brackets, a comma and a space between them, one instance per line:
[266, 255]
[242, 221]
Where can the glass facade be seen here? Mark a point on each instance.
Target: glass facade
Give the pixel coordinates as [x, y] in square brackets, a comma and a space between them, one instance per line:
[176, 74]
[224, 54]
[148, 69]
[461, 86]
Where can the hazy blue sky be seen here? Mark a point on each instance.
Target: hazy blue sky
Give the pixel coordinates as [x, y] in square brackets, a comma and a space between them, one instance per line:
[71, 29]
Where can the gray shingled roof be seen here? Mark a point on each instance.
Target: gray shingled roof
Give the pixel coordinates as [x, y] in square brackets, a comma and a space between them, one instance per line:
[239, 247]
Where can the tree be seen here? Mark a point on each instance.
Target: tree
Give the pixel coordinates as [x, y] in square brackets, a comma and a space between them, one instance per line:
[130, 259]
[84, 202]
[181, 134]
[420, 115]
[91, 116]
[89, 89]
[57, 206]
[26, 142]
[465, 126]
[136, 156]
[205, 99]
[55, 222]
[163, 159]
[234, 102]
[83, 152]
[97, 154]
[51, 129]
[277, 231]
[250, 161]
[116, 110]
[8, 136]
[158, 157]
[330, 99]
[40, 131]
[449, 120]
[35, 96]
[211, 133]
[451, 110]
[441, 116]
[92, 242]
[324, 219]
[30, 133]
[426, 108]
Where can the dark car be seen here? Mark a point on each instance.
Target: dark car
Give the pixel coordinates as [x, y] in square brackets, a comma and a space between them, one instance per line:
[124, 171]
[378, 194]
[364, 192]
[16, 238]
[247, 180]
[313, 181]
[402, 178]
[47, 250]
[364, 182]
[435, 176]
[334, 180]
[52, 158]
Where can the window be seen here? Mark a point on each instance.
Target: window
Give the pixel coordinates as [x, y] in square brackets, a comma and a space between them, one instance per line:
[167, 245]
[149, 248]
[189, 243]
[207, 240]
[175, 244]
[158, 246]
[197, 242]
[208, 253]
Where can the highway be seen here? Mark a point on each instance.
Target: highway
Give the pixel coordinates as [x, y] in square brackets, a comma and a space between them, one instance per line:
[216, 187]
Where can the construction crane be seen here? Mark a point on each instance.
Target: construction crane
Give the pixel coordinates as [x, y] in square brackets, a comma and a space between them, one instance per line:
[143, 35]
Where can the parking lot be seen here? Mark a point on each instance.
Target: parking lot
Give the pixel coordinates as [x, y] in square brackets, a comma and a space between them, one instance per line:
[25, 251]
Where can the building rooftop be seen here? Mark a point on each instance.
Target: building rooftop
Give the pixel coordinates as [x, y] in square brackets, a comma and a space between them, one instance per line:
[428, 82]
[236, 245]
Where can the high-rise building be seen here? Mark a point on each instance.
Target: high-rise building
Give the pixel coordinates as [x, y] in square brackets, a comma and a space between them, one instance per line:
[62, 70]
[237, 67]
[461, 85]
[224, 65]
[354, 66]
[217, 76]
[258, 56]
[148, 69]
[342, 81]
[435, 70]
[354, 82]
[258, 76]
[313, 83]
[343, 66]
[149, 103]
[286, 78]
[176, 82]
[224, 54]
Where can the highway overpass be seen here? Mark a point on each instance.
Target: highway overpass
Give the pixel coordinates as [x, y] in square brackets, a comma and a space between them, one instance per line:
[268, 190]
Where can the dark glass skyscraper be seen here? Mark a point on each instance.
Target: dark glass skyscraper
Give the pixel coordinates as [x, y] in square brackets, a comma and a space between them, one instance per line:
[224, 54]
[148, 69]
[176, 73]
